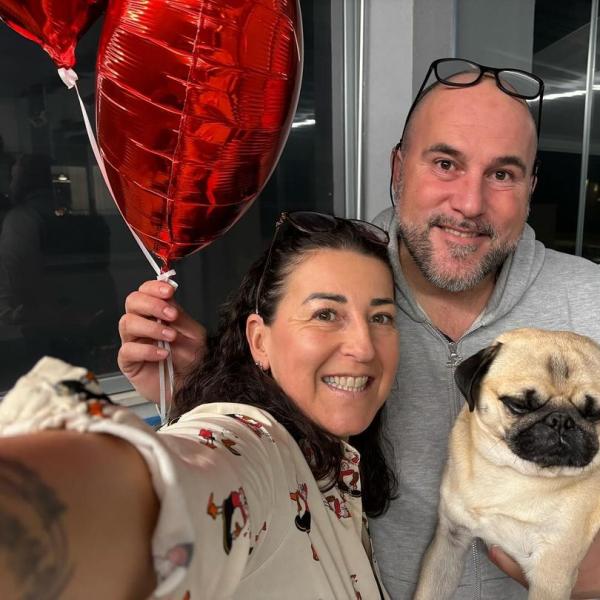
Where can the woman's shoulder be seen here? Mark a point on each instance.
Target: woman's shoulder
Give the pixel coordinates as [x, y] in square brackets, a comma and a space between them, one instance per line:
[217, 422]
[253, 418]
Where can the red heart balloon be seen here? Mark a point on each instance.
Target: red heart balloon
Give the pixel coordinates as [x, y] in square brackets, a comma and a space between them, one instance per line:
[56, 25]
[194, 102]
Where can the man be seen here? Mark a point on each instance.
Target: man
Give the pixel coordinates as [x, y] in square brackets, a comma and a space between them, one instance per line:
[467, 268]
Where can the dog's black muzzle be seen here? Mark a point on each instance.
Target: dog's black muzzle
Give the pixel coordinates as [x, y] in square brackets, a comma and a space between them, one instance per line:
[561, 438]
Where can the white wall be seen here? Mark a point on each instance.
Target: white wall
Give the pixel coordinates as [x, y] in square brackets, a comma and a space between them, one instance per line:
[388, 92]
[496, 33]
[402, 38]
[434, 26]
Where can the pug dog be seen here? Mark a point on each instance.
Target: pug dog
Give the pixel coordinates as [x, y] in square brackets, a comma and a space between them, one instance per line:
[523, 469]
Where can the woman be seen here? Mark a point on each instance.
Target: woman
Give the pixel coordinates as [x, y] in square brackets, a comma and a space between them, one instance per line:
[256, 489]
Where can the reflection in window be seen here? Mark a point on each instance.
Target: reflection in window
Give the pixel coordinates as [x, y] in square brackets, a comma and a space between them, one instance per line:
[46, 249]
[67, 260]
[560, 47]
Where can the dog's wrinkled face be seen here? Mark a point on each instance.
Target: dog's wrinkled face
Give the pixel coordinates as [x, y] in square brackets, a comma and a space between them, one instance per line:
[539, 393]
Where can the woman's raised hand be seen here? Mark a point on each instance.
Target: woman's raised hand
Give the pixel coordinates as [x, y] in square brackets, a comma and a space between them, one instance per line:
[140, 330]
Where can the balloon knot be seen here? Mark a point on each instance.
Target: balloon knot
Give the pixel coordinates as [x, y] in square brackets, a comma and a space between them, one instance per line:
[166, 276]
[68, 76]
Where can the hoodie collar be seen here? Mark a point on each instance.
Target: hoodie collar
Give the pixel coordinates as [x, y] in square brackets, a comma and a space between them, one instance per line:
[516, 276]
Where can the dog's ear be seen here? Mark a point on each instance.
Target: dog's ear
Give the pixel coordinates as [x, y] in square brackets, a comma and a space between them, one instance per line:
[471, 371]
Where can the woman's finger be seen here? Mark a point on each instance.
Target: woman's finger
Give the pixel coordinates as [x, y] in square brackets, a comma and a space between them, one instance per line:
[146, 305]
[133, 356]
[133, 328]
[158, 289]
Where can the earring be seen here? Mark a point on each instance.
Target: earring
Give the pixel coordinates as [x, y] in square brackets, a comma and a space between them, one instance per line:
[260, 366]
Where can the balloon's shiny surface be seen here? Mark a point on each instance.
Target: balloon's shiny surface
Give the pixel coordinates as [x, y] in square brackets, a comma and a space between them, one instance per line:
[195, 99]
[56, 25]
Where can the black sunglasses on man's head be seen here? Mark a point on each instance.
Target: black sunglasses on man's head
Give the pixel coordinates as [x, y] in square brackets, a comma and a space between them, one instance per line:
[514, 82]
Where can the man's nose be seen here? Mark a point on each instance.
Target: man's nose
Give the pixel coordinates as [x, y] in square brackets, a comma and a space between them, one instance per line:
[469, 196]
[358, 342]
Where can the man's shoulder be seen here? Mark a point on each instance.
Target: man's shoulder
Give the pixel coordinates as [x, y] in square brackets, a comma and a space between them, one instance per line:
[570, 266]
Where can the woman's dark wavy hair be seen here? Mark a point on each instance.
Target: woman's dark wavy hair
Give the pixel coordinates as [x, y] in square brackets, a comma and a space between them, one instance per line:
[227, 373]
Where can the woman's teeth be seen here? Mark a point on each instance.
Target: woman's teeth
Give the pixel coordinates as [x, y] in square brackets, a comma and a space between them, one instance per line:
[348, 384]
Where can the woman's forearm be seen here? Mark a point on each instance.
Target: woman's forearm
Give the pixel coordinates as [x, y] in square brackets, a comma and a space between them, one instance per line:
[77, 512]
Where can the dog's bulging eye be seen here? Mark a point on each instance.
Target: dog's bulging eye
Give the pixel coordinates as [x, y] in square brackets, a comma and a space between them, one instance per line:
[590, 411]
[515, 405]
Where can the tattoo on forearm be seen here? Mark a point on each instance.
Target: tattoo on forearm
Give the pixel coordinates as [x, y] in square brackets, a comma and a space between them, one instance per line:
[33, 541]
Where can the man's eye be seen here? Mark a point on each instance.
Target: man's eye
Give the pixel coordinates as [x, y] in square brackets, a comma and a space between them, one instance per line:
[502, 176]
[444, 164]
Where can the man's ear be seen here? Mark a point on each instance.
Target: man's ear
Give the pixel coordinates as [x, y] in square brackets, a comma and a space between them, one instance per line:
[257, 334]
[396, 159]
[534, 180]
[471, 371]
[534, 176]
[395, 154]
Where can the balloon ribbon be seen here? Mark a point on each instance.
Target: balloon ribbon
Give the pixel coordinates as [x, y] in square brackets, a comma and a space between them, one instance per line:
[69, 78]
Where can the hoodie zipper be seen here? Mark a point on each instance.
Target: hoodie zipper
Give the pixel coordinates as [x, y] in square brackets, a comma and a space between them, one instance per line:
[453, 356]
[476, 572]
[452, 361]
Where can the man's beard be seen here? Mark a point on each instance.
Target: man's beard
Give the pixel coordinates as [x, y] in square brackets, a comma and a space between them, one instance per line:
[420, 247]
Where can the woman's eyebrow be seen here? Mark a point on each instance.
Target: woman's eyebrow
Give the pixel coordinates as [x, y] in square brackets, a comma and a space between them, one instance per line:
[381, 301]
[325, 296]
[343, 300]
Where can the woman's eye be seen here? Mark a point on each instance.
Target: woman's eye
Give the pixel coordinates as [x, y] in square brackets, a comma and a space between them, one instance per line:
[325, 314]
[383, 319]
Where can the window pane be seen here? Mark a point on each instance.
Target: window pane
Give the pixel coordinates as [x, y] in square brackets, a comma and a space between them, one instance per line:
[591, 224]
[560, 45]
[67, 260]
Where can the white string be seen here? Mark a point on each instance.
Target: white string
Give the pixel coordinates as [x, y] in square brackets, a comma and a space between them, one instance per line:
[69, 78]
[166, 276]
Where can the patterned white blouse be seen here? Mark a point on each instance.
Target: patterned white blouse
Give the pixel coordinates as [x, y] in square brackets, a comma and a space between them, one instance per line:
[241, 513]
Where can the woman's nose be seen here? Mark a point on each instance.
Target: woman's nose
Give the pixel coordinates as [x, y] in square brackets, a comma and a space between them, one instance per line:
[358, 342]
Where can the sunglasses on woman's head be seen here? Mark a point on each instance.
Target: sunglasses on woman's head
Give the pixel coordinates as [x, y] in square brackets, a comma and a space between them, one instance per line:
[316, 222]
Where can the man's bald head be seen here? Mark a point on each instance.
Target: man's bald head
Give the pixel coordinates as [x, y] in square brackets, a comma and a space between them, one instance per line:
[492, 96]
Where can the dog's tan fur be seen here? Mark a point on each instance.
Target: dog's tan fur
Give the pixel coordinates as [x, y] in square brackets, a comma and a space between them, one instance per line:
[544, 517]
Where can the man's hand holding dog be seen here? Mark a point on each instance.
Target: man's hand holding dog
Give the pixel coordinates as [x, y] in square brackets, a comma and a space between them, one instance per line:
[588, 579]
